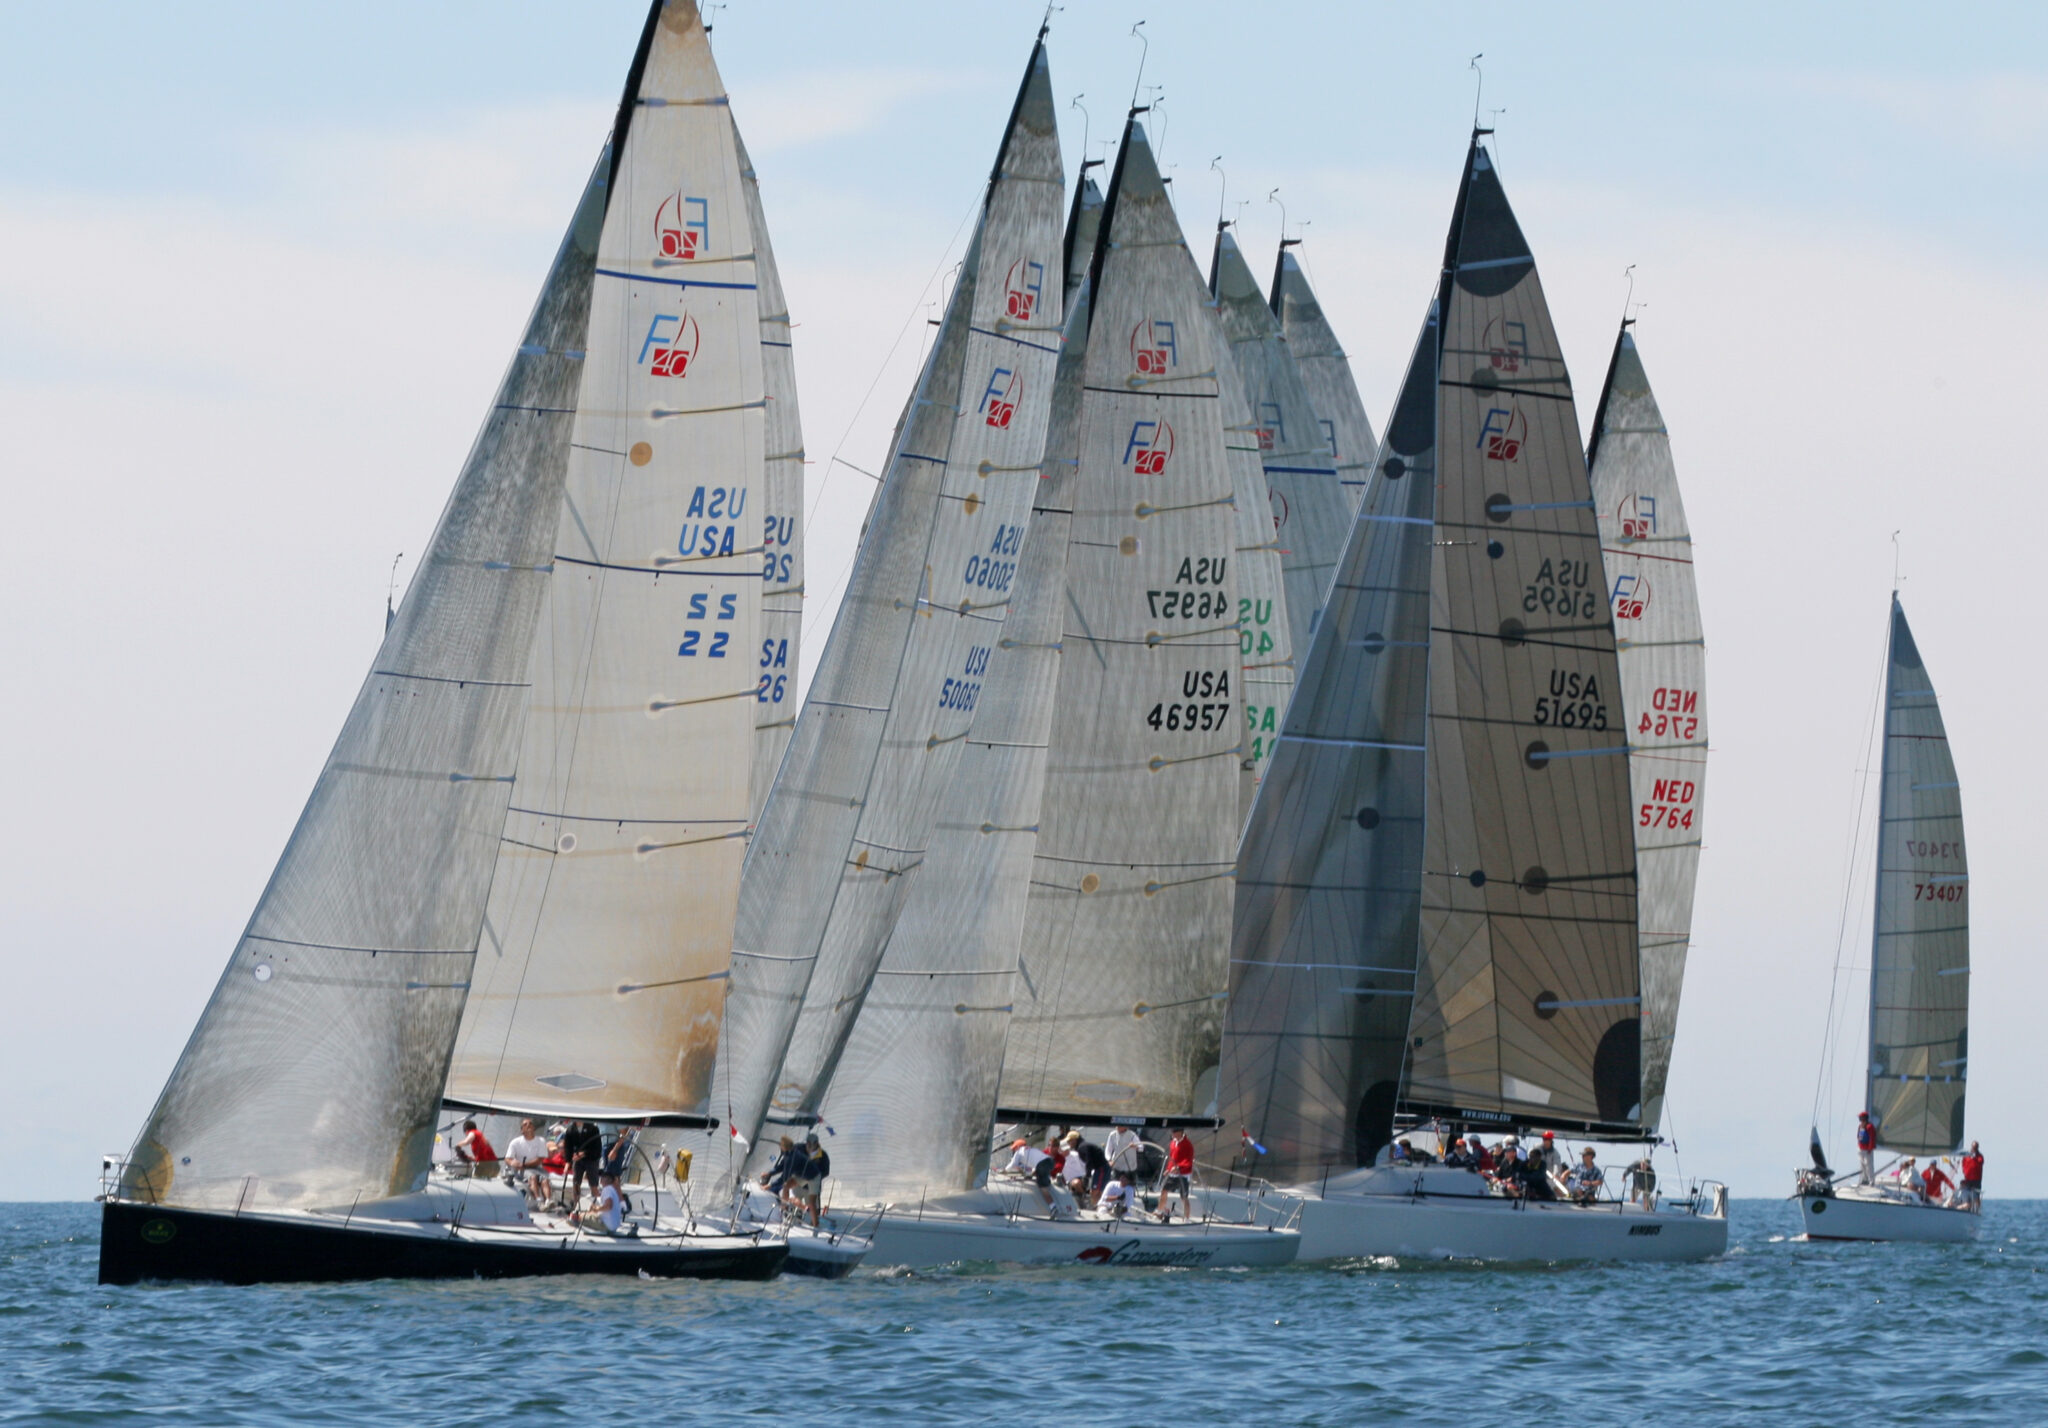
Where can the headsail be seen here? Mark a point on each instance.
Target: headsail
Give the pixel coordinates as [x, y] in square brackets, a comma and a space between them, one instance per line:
[1325, 375]
[916, 1089]
[599, 983]
[1527, 996]
[904, 666]
[1084, 221]
[1920, 945]
[1330, 875]
[1646, 549]
[314, 1075]
[1119, 993]
[782, 508]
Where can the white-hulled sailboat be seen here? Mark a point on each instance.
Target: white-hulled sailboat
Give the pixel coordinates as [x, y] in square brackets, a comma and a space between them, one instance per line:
[294, 1138]
[1437, 904]
[1919, 1035]
[1060, 903]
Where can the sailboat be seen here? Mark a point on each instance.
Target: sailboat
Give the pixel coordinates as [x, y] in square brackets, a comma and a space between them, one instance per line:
[1437, 905]
[1042, 967]
[512, 887]
[1919, 1033]
[1325, 375]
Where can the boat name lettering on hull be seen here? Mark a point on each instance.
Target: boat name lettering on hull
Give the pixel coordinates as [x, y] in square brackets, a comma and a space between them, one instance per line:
[1137, 1252]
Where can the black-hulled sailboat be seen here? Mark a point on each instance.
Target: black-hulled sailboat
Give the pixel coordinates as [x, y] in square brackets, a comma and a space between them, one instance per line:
[558, 728]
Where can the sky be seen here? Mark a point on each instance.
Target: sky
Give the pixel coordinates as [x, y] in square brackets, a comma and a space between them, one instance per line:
[261, 268]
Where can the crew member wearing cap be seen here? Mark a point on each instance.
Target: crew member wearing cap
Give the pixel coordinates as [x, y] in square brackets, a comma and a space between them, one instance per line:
[1553, 1162]
[811, 1178]
[1866, 1149]
[1970, 1194]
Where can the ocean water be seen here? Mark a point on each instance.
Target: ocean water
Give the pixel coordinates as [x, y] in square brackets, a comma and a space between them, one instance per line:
[1777, 1331]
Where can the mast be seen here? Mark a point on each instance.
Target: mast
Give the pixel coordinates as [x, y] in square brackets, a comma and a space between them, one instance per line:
[1920, 932]
[902, 676]
[607, 939]
[1646, 554]
[1122, 972]
[1528, 997]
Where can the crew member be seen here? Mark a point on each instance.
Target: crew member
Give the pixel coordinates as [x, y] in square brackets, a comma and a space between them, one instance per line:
[1971, 1194]
[1866, 1149]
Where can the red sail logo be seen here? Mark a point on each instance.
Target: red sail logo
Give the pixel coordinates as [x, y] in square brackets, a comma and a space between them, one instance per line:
[1154, 348]
[1638, 517]
[682, 227]
[1149, 449]
[1023, 286]
[1506, 344]
[999, 401]
[670, 345]
[1502, 433]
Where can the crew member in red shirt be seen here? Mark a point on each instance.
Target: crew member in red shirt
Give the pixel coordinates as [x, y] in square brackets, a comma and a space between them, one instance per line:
[1972, 1190]
[1935, 1185]
[1866, 1148]
[473, 1150]
[1180, 1171]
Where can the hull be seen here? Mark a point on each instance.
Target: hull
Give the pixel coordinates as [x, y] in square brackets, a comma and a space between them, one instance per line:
[153, 1242]
[990, 1229]
[1435, 1215]
[1867, 1213]
[826, 1253]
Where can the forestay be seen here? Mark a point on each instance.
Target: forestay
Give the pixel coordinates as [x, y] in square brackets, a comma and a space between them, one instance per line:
[1266, 634]
[1920, 946]
[599, 983]
[1119, 992]
[915, 1092]
[1527, 998]
[903, 669]
[1646, 551]
[1329, 877]
[314, 1074]
[1325, 376]
[782, 508]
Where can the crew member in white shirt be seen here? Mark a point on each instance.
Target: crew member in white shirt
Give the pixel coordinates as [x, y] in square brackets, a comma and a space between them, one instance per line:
[523, 1157]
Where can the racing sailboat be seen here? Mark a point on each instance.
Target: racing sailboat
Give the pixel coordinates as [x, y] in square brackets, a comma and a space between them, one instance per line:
[1919, 1034]
[1437, 905]
[550, 755]
[1325, 375]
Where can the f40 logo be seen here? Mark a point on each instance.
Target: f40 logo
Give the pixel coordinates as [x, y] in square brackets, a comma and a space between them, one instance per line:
[1506, 344]
[683, 226]
[1638, 517]
[1631, 596]
[1150, 447]
[1271, 427]
[999, 401]
[671, 343]
[1502, 433]
[1023, 286]
[1154, 349]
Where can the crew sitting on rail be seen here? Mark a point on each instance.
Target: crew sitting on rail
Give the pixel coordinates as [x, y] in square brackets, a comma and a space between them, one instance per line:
[1585, 1179]
[1935, 1185]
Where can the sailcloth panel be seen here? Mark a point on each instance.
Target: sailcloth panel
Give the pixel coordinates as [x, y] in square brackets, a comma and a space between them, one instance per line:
[1325, 376]
[782, 509]
[1310, 514]
[1920, 949]
[599, 984]
[314, 1074]
[1527, 1002]
[1001, 408]
[1329, 878]
[1119, 992]
[1084, 220]
[921, 555]
[1646, 551]
[915, 1091]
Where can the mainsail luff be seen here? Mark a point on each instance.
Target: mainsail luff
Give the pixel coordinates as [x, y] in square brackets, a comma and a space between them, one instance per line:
[1646, 550]
[1325, 375]
[607, 939]
[915, 1090]
[782, 508]
[1130, 901]
[976, 535]
[884, 711]
[1329, 877]
[1527, 997]
[314, 1074]
[1920, 937]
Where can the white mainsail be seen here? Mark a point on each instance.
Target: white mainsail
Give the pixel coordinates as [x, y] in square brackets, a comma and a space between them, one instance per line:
[1920, 942]
[782, 508]
[599, 983]
[1119, 991]
[1329, 884]
[1527, 996]
[1325, 375]
[904, 667]
[1646, 550]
